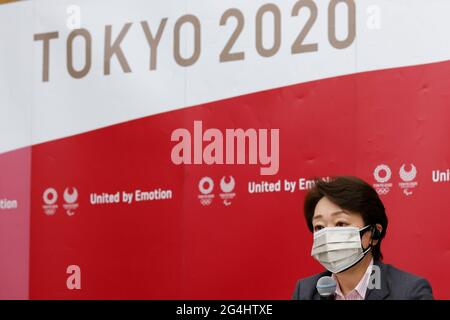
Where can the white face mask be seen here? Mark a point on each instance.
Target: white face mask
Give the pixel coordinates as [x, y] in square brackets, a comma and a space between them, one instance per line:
[338, 248]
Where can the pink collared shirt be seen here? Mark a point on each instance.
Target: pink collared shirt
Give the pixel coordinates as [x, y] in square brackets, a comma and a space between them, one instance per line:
[359, 292]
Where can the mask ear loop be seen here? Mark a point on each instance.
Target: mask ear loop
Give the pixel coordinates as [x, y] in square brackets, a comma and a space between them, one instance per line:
[361, 233]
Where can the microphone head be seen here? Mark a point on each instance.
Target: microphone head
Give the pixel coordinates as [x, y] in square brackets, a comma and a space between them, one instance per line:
[326, 286]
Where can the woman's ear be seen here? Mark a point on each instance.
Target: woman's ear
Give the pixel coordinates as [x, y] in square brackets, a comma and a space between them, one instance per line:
[380, 229]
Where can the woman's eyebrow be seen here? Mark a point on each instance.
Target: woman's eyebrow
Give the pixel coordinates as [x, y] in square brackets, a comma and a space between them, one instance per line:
[339, 212]
[333, 214]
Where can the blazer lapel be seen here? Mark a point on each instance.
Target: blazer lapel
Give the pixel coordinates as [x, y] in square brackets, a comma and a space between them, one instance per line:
[383, 291]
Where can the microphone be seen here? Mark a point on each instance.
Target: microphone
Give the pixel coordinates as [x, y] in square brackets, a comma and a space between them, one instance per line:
[326, 286]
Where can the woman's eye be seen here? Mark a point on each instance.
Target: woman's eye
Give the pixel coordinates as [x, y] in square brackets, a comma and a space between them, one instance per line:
[341, 224]
[317, 228]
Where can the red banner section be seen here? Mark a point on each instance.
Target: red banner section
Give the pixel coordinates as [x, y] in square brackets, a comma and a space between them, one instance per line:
[15, 180]
[113, 217]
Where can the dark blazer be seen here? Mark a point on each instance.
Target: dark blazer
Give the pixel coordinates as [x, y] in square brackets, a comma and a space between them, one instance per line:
[395, 285]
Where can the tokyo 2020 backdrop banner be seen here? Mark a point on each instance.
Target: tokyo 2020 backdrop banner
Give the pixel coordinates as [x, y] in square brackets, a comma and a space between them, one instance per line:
[162, 149]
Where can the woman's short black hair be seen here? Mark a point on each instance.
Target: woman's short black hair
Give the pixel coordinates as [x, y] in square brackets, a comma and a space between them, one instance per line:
[353, 194]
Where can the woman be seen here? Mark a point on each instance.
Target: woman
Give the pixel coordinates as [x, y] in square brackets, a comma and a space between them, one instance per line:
[349, 222]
